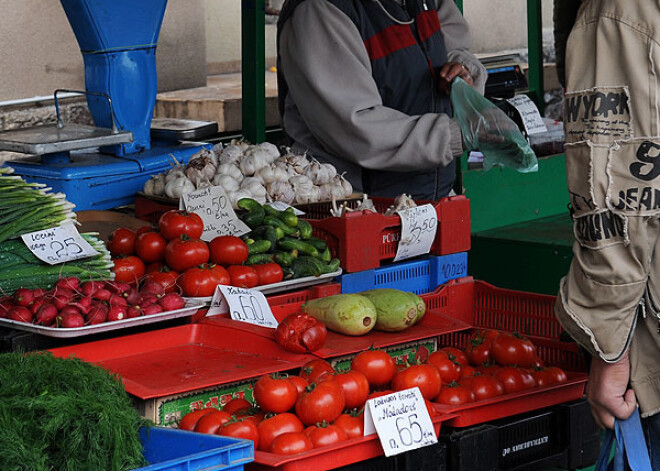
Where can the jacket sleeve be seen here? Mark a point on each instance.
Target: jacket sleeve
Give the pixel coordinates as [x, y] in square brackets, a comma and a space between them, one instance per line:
[457, 40]
[329, 77]
[563, 18]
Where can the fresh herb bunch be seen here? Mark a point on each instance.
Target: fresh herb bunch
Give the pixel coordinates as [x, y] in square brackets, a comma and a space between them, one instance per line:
[65, 414]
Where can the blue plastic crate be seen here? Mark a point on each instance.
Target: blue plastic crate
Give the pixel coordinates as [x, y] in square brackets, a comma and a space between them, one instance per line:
[169, 449]
[418, 276]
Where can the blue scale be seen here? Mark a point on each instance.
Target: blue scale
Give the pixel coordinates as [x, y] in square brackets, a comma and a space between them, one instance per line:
[104, 166]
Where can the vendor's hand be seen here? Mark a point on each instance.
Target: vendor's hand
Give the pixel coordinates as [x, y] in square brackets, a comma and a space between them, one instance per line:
[608, 392]
[449, 72]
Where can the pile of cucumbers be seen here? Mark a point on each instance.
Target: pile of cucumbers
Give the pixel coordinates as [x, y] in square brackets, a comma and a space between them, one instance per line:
[284, 238]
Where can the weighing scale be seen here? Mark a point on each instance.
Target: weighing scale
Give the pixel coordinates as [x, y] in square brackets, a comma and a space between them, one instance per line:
[104, 166]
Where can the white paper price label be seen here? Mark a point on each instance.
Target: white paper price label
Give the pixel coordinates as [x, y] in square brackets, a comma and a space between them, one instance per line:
[401, 421]
[59, 244]
[529, 113]
[214, 207]
[418, 228]
[245, 305]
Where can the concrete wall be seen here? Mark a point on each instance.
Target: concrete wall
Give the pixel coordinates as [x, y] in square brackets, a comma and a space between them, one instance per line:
[39, 53]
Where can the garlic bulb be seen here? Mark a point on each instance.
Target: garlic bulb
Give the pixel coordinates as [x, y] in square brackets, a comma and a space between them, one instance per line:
[227, 182]
[155, 186]
[252, 163]
[202, 182]
[345, 184]
[175, 172]
[270, 149]
[297, 163]
[250, 180]
[242, 144]
[204, 166]
[230, 169]
[231, 154]
[300, 180]
[272, 173]
[307, 193]
[331, 190]
[178, 186]
[256, 189]
[234, 196]
[281, 191]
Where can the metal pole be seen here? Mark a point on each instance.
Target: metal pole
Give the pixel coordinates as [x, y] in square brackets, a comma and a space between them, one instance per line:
[253, 47]
[535, 47]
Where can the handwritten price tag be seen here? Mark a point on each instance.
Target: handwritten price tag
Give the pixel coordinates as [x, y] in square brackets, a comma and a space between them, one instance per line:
[529, 113]
[401, 421]
[245, 305]
[59, 244]
[418, 228]
[213, 206]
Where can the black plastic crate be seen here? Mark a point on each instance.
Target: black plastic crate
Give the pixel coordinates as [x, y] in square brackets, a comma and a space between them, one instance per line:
[380, 463]
[471, 449]
[428, 458]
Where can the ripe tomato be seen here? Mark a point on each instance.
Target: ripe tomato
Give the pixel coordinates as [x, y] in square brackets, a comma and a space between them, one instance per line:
[236, 404]
[175, 223]
[459, 354]
[487, 334]
[478, 351]
[200, 281]
[467, 371]
[384, 392]
[150, 247]
[242, 276]
[228, 250]
[275, 394]
[483, 386]
[378, 366]
[291, 443]
[240, 428]
[152, 267]
[325, 434]
[513, 350]
[314, 369]
[166, 277]
[320, 402]
[128, 269]
[121, 242]
[514, 379]
[183, 253]
[426, 377]
[454, 394]
[189, 420]
[352, 425]
[269, 273]
[253, 414]
[450, 370]
[550, 375]
[277, 425]
[299, 382]
[355, 386]
[211, 422]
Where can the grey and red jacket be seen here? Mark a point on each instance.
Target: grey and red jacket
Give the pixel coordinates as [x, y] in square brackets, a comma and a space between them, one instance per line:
[359, 89]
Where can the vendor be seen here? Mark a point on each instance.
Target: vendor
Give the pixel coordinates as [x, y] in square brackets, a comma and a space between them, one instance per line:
[364, 85]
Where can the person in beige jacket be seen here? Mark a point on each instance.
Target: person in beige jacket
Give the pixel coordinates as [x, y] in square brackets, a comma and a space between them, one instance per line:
[609, 300]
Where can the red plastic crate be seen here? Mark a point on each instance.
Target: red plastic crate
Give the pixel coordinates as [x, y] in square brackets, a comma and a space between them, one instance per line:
[485, 306]
[363, 240]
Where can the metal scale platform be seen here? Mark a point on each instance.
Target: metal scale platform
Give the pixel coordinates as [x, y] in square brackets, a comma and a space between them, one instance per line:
[104, 166]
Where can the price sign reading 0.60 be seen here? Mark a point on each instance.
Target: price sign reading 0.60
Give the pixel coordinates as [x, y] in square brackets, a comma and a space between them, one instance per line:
[246, 305]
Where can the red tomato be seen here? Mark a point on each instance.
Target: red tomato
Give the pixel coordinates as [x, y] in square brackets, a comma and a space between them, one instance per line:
[320, 402]
[254, 414]
[152, 267]
[175, 223]
[314, 369]
[182, 253]
[143, 229]
[240, 429]
[199, 281]
[548, 376]
[166, 277]
[279, 424]
[487, 334]
[228, 250]
[122, 242]
[355, 386]
[478, 351]
[352, 425]
[468, 371]
[211, 422]
[236, 404]
[128, 269]
[425, 377]
[514, 379]
[291, 443]
[513, 350]
[189, 420]
[454, 394]
[384, 392]
[275, 394]
[484, 386]
[325, 435]
[269, 273]
[377, 365]
[459, 354]
[150, 247]
[243, 276]
[488, 369]
[299, 382]
[450, 370]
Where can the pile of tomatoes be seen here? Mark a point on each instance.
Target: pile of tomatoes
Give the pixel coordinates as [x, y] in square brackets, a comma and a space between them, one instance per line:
[174, 255]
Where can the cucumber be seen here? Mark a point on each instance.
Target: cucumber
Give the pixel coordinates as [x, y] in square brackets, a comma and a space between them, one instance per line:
[305, 229]
[289, 243]
[254, 217]
[307, 266]
[278, 223]
[325, 256]
[259, 246]
[332, 266]
[270, 233]
[289, 217]
[349, 314]
[260, 258]
[248, 204]
[318, 243]
[285, 259]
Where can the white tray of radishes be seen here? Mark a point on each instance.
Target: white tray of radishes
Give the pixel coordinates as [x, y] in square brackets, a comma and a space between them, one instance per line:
[73, 308]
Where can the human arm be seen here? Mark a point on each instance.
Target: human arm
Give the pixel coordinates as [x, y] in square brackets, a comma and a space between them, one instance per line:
[608, 392]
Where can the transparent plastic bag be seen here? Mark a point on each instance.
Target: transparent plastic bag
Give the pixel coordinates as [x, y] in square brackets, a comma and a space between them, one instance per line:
[486, 128]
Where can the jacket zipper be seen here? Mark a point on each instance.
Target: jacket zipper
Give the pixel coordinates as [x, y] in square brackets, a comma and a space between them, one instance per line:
[422, 47]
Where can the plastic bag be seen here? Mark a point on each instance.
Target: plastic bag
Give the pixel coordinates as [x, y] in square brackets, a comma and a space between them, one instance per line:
[486, 128]
[628, 436]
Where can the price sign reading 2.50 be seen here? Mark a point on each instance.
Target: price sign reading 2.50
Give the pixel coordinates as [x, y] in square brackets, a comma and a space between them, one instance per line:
[249, 306]
[418, 228]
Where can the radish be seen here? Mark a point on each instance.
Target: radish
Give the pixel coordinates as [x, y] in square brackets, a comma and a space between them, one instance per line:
[46, 315]
[98, 314]
[172, 302]
[5, 306]
[133, 297]
[102, 294]
[39, 292]
[23, 297]
[117, 313]
[117, 287]
[152, 309]
[134, 311]
[70, 282]
[152, 287]
[63, 291]
[20, 313]
[60, 301]
[117, 300]
[70, 320]
[34, 307]
[89, 288]
[70, 309]
[83, 304]
[148, 300]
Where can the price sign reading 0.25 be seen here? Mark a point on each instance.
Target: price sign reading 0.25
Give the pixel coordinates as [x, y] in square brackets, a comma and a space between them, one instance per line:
[246, 305]
[59, 244]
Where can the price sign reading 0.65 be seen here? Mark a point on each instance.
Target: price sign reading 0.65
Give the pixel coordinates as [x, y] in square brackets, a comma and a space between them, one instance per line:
[246, 305]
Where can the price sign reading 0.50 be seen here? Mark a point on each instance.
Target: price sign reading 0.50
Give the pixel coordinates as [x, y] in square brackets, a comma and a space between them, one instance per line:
[249, 306]
[418, 228]
[59, 244]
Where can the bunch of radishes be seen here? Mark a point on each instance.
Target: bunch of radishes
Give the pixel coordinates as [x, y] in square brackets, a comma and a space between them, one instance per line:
[71, 304]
